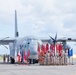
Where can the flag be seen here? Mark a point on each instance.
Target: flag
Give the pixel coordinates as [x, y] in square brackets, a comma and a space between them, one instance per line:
[43, 48]
[19, 56]
[52, 47]
[25, 58]
[60, 48]
[28, 55]
[47, 47]
[70, 53]
[57, 47]
[38, 48]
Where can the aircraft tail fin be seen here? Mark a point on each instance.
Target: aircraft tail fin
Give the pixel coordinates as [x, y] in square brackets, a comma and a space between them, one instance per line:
[16, 27]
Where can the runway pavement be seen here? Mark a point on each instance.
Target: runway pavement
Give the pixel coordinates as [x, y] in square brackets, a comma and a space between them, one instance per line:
[9, 69]
[23, 69]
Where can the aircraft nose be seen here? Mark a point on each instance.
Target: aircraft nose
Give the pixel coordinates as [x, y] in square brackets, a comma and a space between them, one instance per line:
[33, 51]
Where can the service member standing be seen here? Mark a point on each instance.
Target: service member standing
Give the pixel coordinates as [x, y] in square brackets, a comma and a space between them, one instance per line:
[4, 58]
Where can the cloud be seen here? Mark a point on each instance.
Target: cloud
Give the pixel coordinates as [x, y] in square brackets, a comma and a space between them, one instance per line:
[39, 17]
[69, 21]
[66, 6]
[36, 17]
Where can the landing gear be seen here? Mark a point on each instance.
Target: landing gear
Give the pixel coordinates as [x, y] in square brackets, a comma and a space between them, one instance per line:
[32, 61]
[36, 61]
[12, 61]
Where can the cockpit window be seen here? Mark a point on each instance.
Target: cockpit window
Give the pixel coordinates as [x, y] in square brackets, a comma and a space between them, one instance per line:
[28, 43]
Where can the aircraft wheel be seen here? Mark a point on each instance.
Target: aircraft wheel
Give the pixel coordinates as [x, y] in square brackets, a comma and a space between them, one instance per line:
[34, 61]
[12, 61]
[29, 61]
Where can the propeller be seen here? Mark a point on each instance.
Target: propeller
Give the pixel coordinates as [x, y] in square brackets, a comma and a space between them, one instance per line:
[65, 45]
[54, 39]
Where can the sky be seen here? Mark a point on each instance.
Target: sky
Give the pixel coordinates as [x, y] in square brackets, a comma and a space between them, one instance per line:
[39, 18]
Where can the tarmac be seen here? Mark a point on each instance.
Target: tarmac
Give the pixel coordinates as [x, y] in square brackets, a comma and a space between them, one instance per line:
[23, 69]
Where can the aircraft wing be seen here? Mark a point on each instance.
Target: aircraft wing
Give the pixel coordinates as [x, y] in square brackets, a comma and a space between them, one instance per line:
[67, 40]
[7, 41]
[59, 40]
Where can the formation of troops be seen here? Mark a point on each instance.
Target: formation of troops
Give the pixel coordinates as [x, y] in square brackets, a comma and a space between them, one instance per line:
[55, 55]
